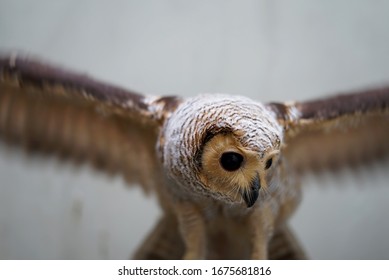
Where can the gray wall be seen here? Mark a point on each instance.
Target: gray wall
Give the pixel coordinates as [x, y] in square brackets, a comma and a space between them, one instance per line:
[268, 50]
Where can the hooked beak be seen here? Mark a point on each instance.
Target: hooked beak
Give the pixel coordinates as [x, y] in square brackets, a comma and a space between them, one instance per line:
[250, 196]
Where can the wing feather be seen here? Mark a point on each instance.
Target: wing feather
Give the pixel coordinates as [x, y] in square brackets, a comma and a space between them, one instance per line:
[345, 130]
[47, 109]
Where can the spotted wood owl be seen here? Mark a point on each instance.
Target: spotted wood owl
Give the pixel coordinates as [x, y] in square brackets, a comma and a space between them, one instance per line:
[226, 169]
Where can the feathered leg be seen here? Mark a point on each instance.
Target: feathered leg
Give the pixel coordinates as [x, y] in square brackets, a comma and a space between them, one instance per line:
[176, 237]
[163, 243]
[192, 228]
[260, 228]
[284, 246]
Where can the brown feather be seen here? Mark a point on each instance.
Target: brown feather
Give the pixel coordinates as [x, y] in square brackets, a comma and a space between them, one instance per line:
[47, 109]
[328, 134]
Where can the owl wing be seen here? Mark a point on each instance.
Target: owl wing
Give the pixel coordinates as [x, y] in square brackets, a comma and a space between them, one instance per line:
[344, 130]
[47, 109]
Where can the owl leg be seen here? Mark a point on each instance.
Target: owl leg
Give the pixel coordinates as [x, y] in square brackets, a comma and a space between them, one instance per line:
[192, 228]
[163, 243]
[261, 229]
[259, 245]
[284, 246]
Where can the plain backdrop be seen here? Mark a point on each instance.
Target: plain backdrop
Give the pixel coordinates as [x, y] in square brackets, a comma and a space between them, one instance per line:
[267, 50]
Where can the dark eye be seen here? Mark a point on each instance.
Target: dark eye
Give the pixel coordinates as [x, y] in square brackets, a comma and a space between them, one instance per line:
[269, 162]
[231, 161]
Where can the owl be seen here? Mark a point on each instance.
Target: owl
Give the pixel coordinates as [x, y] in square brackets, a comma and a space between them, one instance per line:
[226, 169]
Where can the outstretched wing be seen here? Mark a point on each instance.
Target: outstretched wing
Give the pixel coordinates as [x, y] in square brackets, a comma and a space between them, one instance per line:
[344, 130]
[51, 110]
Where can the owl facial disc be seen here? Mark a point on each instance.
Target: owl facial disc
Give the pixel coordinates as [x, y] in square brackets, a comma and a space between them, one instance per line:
[221, 147]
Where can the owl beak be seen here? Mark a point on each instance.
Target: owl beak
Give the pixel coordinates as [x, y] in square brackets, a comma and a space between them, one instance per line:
[250, 196]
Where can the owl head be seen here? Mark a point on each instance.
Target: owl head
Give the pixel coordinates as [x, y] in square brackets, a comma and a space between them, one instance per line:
[222, 147]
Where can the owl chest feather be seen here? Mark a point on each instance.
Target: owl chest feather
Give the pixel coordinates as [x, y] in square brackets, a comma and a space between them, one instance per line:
[229, 231]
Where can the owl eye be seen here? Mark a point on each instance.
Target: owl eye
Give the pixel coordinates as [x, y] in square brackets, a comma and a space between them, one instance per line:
[231, 161]
[269, 162]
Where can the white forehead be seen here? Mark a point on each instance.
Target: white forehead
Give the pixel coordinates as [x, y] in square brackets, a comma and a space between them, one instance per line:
[214, 111]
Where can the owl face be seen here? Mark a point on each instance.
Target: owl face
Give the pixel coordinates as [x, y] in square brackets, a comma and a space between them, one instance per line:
[222, 147]
[229, 168]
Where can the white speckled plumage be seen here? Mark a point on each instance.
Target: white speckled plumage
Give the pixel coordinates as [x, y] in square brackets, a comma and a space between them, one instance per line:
[255, 126]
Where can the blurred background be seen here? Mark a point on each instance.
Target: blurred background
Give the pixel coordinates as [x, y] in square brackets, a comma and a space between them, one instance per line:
[268, 50]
